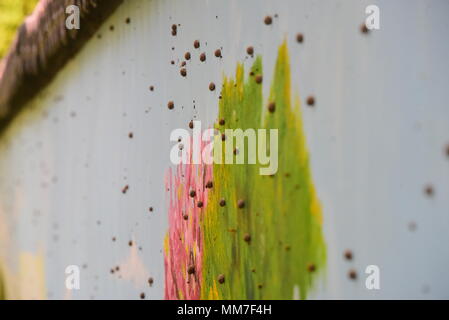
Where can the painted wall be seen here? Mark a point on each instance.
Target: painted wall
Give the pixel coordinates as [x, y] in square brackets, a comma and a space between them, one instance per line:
[376, 138]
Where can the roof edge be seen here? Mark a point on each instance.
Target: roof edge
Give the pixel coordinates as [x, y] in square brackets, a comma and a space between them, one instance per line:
[42, 47]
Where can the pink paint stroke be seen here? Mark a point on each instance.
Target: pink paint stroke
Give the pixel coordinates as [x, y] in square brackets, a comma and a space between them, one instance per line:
[185, 239]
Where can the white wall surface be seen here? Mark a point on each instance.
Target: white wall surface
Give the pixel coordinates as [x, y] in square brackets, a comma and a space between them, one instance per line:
[376, 137]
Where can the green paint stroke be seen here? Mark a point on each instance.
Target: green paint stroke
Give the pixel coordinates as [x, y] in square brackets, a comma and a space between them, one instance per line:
[282, 213]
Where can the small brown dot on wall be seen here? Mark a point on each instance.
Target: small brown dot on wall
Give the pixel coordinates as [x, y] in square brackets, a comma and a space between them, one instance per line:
[191, 269]
[425, 289]
[363, 28]
[222, 202]
[429, 191]
[311, 267]
[114, 239]
[447, 150]
[200, 204]
[352, 274]
[250, 50]
[211, 86]
[348, 255]
[185, 217]
[222, 122]
[191, 124]
[131, 135]
[260, 286]
[218, 53]
[223, 137]
[241, 204]
[271, 107]
[111, 28]
[170, 105]
[151, 88]
[151, 209]
[172, 62]
[203, 57]
[142, 296]
[299, 37]
[125, 189]
[128, 20]
[192, 193]
[259, 78]
[183, 72]
[183, 64]
[247, 237]
[196, 44]
[310, 101]
[268, 20]
[221, 279]
[412, 226]
[150, 281]
[130, 243]
[187, 55]
[209, 184]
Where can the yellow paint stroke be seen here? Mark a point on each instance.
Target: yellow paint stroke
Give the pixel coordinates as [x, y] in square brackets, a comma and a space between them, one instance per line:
[12, 14]
[27, 281]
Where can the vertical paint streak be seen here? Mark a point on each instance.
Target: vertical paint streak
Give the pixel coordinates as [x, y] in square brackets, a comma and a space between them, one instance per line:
[2, 287]
[184, 242]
